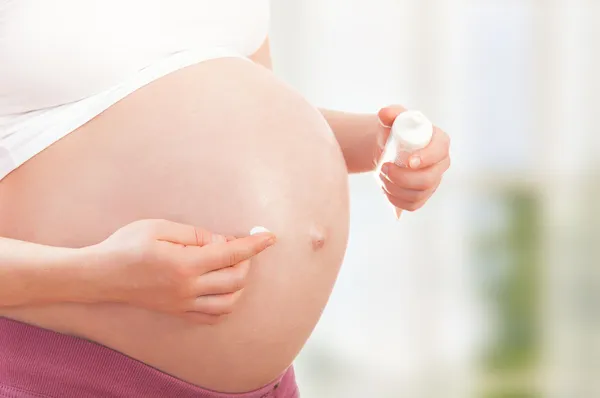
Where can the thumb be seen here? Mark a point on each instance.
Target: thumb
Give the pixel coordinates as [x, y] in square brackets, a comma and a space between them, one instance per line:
[388, 114]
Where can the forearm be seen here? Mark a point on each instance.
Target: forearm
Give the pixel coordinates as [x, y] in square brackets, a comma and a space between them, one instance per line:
[357, 136]
[356, 133]
[32, 274]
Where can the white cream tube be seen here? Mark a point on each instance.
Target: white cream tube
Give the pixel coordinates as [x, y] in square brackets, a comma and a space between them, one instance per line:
[410, 132]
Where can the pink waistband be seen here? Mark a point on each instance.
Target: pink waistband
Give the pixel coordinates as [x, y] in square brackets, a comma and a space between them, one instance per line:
[40, 363]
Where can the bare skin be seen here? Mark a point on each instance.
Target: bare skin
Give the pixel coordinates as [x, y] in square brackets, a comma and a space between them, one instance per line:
[263, 157]
[177, 269]
[362, 138]
[194, 163]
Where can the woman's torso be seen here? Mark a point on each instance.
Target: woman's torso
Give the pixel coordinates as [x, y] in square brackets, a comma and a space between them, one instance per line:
[222, 144]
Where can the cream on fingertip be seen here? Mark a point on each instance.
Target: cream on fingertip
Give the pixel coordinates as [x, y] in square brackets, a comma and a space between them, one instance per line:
[258, 230]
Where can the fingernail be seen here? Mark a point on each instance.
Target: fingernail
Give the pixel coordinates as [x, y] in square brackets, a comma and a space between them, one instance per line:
[383, 124]
[385, 168]
[415, 162]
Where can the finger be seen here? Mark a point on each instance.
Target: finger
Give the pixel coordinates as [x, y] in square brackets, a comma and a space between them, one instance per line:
[218, 304]
[401, 204]
[407, 195]
[201, 319]
[437, 150]
[388, 114]
[227, 280]
[221, 255]
[183, 234]
[418, 180]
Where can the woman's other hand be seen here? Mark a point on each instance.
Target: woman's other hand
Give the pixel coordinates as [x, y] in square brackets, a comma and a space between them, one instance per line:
[409, 188]
[176, 269]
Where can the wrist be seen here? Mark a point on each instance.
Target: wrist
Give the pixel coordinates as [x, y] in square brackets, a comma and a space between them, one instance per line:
[368, 143]
[86, 276]
[378, 135]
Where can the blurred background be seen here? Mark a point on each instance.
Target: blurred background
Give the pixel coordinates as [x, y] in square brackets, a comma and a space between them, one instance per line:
[492, 290]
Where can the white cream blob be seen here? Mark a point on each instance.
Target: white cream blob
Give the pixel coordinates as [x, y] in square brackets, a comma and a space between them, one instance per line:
[258, 230]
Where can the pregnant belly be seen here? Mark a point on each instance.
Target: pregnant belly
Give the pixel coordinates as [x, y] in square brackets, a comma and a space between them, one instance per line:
[223, 145]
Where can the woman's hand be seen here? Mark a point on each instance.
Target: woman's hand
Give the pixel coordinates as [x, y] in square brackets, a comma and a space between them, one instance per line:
[177, 269]
[409, 188]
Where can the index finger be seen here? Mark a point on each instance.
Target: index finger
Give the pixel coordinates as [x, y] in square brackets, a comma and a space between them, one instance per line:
[437, 150]
[183, 234]
[225, 254]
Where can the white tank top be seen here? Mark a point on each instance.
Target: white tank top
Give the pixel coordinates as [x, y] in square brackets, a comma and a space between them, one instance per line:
[63, 62]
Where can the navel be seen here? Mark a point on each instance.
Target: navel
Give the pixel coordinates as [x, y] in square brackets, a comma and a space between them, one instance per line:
[317, 237]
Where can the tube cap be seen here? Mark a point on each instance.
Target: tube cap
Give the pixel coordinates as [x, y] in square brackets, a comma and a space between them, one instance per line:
[412, 130]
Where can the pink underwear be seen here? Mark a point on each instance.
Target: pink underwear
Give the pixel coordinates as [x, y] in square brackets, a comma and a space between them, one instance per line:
[39, 363]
